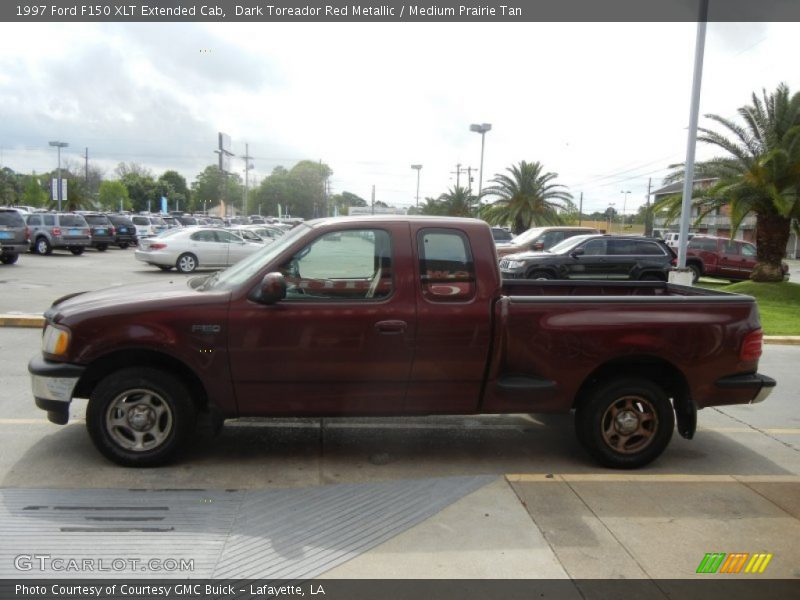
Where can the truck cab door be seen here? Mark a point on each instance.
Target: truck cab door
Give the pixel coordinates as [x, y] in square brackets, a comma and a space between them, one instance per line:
[453, 325]
[342, 340]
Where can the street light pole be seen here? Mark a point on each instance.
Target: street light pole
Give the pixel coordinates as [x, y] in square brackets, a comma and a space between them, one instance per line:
[624, 205]
[481, 128]
[59, 145]
[417, 168]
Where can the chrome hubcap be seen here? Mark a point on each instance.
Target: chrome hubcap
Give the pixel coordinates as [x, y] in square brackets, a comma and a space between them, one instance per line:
[629, 424]
[139, 420]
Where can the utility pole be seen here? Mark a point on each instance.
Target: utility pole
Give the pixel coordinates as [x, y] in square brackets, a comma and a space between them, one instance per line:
[458, 173]
[373, 199]
[580, 212]
[86, 167]
[247, 167]
[469, 179]
[648, 218]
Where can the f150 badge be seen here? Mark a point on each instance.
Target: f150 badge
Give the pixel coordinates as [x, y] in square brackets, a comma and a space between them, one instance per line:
[206, 328]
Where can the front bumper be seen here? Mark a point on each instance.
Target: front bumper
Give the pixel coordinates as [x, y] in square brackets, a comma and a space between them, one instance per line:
[53, 384]
[761, 385]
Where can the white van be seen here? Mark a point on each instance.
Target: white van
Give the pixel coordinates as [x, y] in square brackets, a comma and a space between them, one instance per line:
[672, 238]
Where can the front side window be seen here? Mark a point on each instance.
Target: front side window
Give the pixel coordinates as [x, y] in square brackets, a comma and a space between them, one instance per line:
[446, 268]
[595, 248]
[748, 250]
[347, 265]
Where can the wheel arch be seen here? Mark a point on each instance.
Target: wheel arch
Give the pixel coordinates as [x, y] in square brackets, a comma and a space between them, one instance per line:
[658, 370]
[121, 359]
[552, 271]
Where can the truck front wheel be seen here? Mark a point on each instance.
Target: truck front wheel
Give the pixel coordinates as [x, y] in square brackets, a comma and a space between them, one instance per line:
[140, 417]
[625, 423]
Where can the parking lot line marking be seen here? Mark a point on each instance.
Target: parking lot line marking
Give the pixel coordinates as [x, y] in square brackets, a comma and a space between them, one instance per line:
[647, 477]
[34, 421]
[770, 430]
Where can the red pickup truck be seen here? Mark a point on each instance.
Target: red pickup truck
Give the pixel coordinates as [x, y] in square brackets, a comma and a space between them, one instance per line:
[394, 316]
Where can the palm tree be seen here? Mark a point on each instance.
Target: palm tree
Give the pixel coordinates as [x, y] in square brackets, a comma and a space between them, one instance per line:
[760, 174]
[456, 202]
[526, 198]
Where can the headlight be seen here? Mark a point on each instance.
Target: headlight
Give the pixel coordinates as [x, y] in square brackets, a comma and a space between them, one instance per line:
[55, 340]
[515, 264]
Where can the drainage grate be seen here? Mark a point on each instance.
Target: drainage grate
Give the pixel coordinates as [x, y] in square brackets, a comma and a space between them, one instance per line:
[292, 533]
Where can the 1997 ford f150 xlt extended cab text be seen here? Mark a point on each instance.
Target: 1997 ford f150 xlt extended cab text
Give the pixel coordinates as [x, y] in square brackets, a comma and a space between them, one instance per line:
[395, 316]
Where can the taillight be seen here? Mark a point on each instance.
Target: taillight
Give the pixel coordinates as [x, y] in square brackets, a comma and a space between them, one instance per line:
[157, 246]
[56, 230]
[27, 233]
[113, 230]
[674, 262]
[751, 346]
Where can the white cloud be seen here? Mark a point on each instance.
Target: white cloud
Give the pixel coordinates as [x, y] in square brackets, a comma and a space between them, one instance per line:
[604, 105]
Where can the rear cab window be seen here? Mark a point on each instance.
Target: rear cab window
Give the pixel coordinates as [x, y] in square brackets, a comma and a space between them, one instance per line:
[446, 267]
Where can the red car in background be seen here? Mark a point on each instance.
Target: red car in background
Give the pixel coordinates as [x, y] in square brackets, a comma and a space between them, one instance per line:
[722, 257]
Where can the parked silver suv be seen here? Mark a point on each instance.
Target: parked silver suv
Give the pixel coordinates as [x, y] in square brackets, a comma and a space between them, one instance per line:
[13, 235]
[58, 230]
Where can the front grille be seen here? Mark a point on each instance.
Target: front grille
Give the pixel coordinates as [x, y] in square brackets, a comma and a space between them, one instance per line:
[504, 264]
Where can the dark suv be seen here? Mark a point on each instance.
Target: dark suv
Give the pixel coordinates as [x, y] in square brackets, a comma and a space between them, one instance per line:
[541, 238]
[13, 235]
[125, 231]
[594, 257]
[103, 231]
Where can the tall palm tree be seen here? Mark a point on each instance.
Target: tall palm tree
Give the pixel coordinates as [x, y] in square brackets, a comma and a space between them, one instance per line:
[526, 197]
[760, 174]
[456, 202]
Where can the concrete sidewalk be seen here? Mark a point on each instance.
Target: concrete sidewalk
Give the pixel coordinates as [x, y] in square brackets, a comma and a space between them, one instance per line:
[597, 526]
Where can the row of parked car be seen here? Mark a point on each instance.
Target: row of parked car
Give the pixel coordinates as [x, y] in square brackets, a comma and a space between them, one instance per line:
[42, 232]
[586, 253]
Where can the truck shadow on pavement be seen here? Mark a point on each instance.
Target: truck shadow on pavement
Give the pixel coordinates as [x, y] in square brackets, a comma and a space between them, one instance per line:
[253, 454]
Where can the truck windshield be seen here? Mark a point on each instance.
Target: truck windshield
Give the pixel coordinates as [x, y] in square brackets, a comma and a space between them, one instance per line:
[245, 269]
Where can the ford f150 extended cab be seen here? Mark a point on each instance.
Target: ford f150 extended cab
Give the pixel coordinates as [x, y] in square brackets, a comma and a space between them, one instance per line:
[394, 316]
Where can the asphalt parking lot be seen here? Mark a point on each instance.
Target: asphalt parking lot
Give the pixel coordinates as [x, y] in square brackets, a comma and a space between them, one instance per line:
[509, 496]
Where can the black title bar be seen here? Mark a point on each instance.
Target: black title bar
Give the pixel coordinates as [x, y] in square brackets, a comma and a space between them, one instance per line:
[366, 11]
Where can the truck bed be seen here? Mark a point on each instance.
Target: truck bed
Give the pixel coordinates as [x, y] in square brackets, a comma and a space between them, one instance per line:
[646, 291]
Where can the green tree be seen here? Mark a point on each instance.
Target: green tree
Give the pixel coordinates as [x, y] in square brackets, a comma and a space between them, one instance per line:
[758, 174]
[272, 191]
[308, 189]
[11, 187]
[35, 193]
[525, 198]
[212, 186]
[345, 200]
[456, 202]
[112, 195]
[177, 191]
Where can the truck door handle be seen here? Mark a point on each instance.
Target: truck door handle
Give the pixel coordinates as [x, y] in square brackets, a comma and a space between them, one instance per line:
[389, 327]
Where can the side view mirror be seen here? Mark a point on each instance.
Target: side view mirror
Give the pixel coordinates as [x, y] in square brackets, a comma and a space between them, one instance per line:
[577, 252]
[537, 246]
[271, 290]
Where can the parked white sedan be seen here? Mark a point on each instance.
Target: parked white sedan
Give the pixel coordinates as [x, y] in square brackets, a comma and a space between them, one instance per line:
[194, 248]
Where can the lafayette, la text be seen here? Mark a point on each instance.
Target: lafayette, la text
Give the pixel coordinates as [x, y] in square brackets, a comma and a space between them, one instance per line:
[181, 590]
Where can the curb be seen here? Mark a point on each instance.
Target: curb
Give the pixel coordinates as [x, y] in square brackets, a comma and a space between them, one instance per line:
[37, 322]
[21, 320]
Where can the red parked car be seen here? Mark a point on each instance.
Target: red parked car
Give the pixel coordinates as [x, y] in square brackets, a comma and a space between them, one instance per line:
[722, 257]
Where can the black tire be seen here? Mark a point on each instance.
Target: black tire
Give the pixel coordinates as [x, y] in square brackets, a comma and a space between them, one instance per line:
[42, 247]
[604, 422]
[123, 246]
[10, 258]
[102, 247]
[186, 263]
[541, 275]
[164, 267]
[697, 271]
[142, 407]
[76, 250]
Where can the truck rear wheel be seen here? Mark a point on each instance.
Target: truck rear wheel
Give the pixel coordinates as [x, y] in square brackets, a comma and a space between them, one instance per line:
[625, 423]
[140, 417]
